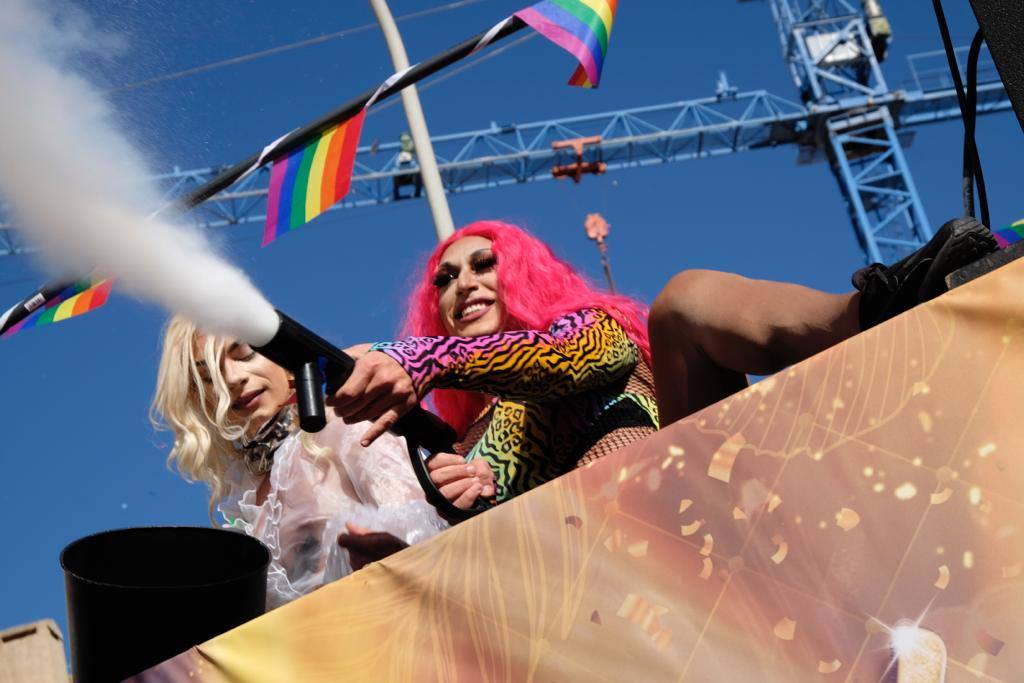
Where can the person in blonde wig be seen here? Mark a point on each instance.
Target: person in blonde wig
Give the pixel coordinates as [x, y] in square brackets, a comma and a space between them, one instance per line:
[235, 429]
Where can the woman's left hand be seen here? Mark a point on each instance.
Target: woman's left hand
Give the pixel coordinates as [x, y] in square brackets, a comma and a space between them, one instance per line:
[365, 546]
[378, 389]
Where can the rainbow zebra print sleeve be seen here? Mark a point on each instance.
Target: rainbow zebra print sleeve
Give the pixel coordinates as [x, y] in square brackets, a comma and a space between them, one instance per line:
[580, 351]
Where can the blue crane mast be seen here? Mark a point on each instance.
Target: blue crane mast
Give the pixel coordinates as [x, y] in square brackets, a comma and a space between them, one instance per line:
[847, 114]
[833, 51]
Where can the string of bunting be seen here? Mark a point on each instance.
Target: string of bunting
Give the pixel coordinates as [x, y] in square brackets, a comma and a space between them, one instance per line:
[308, 179]
[81, 297]
[311, 179]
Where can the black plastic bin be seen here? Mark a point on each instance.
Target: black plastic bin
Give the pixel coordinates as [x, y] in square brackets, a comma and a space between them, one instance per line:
[139, 596]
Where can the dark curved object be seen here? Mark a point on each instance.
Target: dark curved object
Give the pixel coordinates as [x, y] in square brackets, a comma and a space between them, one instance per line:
[139, 596]
[314, 360]
[1002, 21]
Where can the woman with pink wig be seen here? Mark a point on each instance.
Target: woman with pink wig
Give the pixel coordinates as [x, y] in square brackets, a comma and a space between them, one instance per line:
[536, 369]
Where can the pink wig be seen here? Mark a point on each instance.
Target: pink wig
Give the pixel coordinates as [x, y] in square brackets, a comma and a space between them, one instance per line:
[536, 288]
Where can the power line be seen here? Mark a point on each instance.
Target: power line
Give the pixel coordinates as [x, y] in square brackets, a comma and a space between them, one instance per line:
[456, 71]
[285, 48]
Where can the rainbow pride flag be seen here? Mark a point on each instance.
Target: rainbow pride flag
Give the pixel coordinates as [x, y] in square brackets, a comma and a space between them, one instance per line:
[311, 179]
[1011, 234]
[581, 27]
[81, 297]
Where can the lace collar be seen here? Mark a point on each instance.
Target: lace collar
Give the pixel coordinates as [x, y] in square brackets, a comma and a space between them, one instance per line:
[258, 452]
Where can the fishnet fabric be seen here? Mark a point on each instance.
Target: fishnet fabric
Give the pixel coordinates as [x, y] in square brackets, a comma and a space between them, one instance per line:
[620, 428]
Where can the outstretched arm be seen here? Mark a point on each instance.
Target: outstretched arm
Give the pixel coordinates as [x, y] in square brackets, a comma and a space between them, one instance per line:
[580, 351]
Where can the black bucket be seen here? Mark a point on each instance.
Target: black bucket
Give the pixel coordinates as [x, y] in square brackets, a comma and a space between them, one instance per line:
[139, 596]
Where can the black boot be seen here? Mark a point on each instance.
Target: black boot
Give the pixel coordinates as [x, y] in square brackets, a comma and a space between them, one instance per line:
[887, 291]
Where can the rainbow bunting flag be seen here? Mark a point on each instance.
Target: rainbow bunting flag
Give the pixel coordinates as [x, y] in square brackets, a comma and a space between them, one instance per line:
[1011, 234]
[581, 27]
[81, 297]
[311, 179]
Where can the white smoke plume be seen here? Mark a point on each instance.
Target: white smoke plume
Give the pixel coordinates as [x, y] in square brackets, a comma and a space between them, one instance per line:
[75, 186]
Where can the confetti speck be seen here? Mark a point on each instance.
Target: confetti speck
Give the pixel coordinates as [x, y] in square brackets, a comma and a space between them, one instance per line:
[878, 487]
[920, 389]
[974, 495]
[690, 529]
[676, 451]
[709, 544]
[785, 629]
[942, 496]
[724, 458]
[638, 549]
[829, 667]
[968, 559]
[986, 450]
[595, 618]
[905, 491]
[709, 567]
[574, 521]
[613, 541]
[685, 504]
[738, 514]
[783, 549]
[633, 608]
[774, 502]
[869, 471]
[925, 418]
[977, 663]
[943, 579]
[989, 643]
[847, 519]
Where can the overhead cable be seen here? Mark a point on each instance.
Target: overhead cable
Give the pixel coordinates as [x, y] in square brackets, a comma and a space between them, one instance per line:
[458, 4]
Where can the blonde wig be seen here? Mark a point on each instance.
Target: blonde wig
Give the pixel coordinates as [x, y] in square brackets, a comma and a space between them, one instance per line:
[194, 408]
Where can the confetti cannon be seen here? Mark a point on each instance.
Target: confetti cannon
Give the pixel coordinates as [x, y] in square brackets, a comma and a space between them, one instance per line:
[316, 364]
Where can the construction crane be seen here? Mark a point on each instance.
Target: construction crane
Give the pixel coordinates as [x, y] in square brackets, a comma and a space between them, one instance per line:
[847, 114]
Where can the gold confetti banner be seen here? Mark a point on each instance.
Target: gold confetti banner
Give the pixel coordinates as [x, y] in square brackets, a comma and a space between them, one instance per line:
[788, 533]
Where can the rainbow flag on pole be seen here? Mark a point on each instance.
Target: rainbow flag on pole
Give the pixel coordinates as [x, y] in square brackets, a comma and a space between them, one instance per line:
[581, 27]
[81, 297]
[311, 179]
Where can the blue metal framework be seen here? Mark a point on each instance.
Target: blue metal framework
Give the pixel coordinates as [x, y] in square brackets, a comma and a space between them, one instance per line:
[849, 116]
[826, 44]
[875, 181]
[833, 63]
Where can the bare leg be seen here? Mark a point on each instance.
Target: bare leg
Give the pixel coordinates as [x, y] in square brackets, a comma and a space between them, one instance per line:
[709, 329]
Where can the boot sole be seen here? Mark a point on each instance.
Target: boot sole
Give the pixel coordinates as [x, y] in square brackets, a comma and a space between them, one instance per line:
[969, 241]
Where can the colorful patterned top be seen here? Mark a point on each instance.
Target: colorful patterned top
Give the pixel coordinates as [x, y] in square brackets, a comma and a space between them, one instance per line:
[557, 392]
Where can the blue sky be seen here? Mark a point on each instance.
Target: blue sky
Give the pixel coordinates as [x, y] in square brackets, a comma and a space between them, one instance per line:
[79, 453]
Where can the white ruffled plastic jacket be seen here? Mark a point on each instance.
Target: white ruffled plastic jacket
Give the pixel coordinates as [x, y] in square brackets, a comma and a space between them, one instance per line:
[311, 497]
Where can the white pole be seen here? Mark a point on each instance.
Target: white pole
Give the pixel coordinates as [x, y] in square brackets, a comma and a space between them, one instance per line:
[417, 126]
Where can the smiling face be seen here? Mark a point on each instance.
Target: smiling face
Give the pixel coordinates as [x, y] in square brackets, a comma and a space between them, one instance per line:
[258, 387]
[467, 288]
